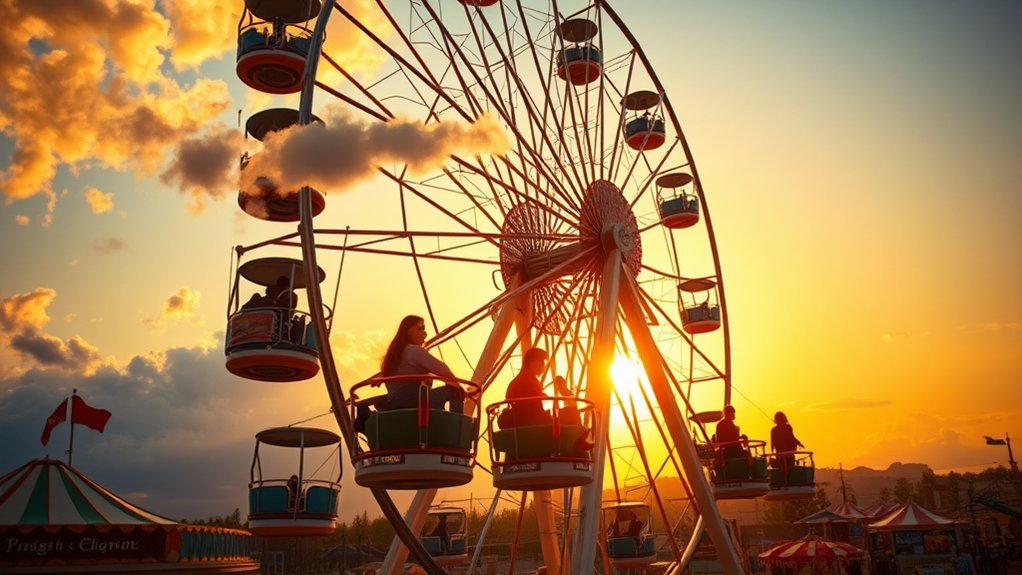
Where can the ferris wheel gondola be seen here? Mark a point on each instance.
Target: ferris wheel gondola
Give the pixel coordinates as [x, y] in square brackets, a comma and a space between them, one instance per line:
[269, 338]
[445, 535]
[273, 44]
[264, 200]
[630, 541]
[414, 447]
[302, 505]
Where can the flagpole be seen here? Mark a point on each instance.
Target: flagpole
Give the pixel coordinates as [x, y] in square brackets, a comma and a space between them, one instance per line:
[1011, 457]
[71, 421]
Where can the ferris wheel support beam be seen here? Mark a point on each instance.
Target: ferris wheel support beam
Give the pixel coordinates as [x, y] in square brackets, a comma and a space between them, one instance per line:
[330, 377]
[415, 516]
[598, 391]
[542, 501]
[675, 421]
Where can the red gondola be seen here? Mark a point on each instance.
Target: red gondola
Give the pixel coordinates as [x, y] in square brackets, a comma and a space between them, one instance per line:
[645, 131]
[274, 42]
[678, 209]
[580, 62]
[268, 337]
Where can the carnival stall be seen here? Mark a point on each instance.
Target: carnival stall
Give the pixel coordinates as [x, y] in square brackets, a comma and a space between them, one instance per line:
[919, 540]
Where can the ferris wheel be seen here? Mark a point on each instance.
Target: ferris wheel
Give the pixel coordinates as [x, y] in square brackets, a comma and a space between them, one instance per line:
[588, 236]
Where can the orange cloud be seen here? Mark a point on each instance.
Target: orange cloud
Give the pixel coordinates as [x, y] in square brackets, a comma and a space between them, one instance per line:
[200, 30]
[106, 100]
[343, 150]
[23, 317]
[181, 306]
[22, 220]
[26, 310]
[99, 201]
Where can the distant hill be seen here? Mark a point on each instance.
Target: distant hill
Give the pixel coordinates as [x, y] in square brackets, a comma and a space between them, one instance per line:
[866, 483]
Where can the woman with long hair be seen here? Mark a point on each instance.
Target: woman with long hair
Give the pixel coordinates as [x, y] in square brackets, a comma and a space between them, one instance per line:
[406, 356]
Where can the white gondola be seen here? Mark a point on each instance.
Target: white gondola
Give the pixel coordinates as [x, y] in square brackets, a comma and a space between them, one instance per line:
[415, 447]
[268, 338]
[445, 535]
[536, 456]
[644, 130]
[630, 542]
[699, 316]
[273, 44]
[263, 199]
[739, 470]
[580, 62]
[792, 476]
[296, 506]
[678, 209]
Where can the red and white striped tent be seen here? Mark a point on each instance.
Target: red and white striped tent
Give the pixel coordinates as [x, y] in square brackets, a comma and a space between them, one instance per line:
[879, 509]
[849, 512]
[911, 517]
[811, 549]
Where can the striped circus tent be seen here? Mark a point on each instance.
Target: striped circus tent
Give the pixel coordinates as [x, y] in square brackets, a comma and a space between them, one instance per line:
[821, 516]
[879, 509]
[49, 492]
[911, 517]
[849, 512]
[811, 549]
[53, 519]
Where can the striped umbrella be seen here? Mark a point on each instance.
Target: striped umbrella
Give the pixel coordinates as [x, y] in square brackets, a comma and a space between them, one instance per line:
[49, 492]
[911, 517]
[809, 549]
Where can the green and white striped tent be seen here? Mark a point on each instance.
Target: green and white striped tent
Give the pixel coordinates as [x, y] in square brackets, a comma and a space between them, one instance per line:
[49, 492]
[53, 519]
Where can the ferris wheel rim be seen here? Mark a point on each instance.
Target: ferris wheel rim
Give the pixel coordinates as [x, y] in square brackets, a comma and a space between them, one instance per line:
[690, 165]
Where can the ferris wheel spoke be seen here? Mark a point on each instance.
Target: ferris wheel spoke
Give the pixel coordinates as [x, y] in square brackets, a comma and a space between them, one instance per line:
[471, 197]
[633, 428]
[490, 97]
[358, 85]
[466, 88]
[681, 332]
[425, 197]
[614, 167]
[478, 314]
[480, 172]
[653, 174]
[424, 76]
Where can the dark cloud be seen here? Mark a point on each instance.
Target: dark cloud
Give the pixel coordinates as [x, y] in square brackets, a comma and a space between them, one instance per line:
[343, 150]
[206, 164]
[109, 246]
[74, 354]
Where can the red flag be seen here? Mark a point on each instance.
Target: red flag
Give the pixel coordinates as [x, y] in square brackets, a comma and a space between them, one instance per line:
[58, 416]
[82, 413]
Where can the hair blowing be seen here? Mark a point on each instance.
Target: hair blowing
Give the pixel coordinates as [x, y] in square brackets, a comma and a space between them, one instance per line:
[392, 358]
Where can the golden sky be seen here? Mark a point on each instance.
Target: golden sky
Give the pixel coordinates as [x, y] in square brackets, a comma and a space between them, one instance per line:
[860, 162]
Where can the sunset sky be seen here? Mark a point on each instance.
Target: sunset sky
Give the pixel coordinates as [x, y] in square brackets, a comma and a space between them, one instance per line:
[860, 161]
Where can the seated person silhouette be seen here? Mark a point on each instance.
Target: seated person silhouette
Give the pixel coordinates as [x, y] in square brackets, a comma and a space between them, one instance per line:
[406, 356]
[440, 531]
[293, 492]
[728, 435]
[627, 524]
[783, 442]
[526, 392]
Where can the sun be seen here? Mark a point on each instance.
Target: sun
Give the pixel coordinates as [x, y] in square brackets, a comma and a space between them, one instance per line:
[630, 379]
